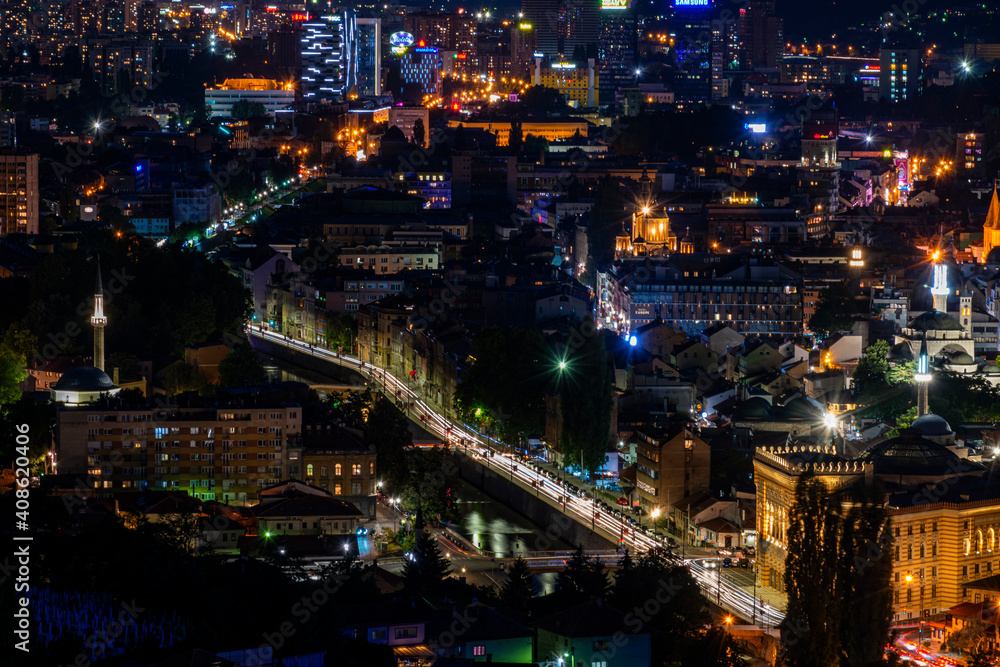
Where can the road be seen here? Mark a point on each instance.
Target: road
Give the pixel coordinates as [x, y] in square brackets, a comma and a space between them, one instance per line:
[558, 494]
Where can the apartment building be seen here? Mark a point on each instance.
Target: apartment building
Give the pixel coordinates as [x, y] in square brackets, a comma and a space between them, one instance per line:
[213, 452]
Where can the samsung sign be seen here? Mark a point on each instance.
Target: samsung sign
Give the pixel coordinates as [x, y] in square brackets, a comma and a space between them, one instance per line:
[691, 3]
[403, 39]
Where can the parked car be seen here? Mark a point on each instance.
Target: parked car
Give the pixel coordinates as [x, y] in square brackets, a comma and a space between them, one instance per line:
[727, 562]
[623, 501]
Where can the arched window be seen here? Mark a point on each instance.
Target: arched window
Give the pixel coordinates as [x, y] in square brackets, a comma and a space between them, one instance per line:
[336, 470]
[309, 470]
[991, 538]
[979, 540]
[968, 546]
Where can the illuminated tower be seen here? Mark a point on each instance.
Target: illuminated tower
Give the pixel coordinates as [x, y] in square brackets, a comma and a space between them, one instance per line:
[99, 320]
[940, 287]
[922, 378]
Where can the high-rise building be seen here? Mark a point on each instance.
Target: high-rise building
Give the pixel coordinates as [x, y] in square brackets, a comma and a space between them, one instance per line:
[18, 192]
[7, 134]
[329, 57]
[579, 26]
[761, 34]
[493, 49]
[523, 44]
[900, 74]
[284, 48]
[543, 15]
[369, 57]
[118, 64]
[692, 36]
[565, 27]
[421, 66]
[617, 48]
[451, 32]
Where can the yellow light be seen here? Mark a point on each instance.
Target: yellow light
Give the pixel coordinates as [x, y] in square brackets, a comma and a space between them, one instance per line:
[936, 255]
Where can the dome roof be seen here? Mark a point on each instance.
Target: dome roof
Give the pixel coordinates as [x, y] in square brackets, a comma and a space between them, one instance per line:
[989, 369]
[932, 425]
[961, 358]
[84, 378]
[934, 320]
[910, 453]
[754, 408]
[994, 256]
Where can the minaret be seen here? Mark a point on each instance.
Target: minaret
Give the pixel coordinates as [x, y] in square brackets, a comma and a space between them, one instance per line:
[922, 378]
[940, 288]
[965, 310]
[99, 320]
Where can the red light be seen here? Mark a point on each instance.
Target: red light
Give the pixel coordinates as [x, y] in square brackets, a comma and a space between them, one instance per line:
[461, 56]
[454, 107]
[421, 43]
[272, 9]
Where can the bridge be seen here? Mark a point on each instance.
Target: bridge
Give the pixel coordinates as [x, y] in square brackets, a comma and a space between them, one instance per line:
[490, 454]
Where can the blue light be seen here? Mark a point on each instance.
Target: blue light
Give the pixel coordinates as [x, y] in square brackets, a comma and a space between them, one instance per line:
[632, 340]
[138, 168]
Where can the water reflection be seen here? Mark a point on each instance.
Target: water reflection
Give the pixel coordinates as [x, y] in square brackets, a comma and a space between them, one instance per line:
[494, 527]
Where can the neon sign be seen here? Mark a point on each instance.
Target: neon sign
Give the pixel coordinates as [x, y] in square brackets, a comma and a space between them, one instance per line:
[614, 4]
[403, 39]
[691, 3]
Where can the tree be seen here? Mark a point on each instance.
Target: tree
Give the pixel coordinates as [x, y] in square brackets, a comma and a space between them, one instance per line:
[501, 391]
[586, 397]
[112, 216]
[810, 632]
[388, 430]
[516, 138]
[341, 331]
[245, 110]
[539, 99]
[520, 588]
[419, 132]
[426, 568]
[872, 370]
[241, 368]
[582, 578]
[12, 372]
[834, 310]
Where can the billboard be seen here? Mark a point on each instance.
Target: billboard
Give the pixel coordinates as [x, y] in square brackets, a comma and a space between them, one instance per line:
[403, 39]
[691, 3]
[614, 4]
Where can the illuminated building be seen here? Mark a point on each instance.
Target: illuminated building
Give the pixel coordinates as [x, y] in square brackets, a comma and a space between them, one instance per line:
[369, 57]
[329, 57]
[969, 155]
[523, 44]
[577, 82]
[991, 228]
[421, 66]
[451, 32]
[900, 73]
[18, 192]
[213, 453]
[671, 464]
[691, 30]
[694, 291]
[118, 64]
[551, 129]
[406, 117]
[268, 92]
[617, 48]
[650, 234]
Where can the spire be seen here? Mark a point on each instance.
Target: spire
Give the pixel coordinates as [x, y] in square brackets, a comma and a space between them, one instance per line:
[993, 215]
[98, 320]
[922, 377]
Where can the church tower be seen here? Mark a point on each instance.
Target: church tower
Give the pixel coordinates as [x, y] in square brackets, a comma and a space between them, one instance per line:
[98, 320]
[991, 228]
[922, 378]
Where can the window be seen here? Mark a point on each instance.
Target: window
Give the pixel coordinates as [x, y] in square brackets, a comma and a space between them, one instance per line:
[406, 633]
[336, 470]
[371, 468]
[322, 471]
[309, 469]
[337, 489]
[356, 469]
[479, 649]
